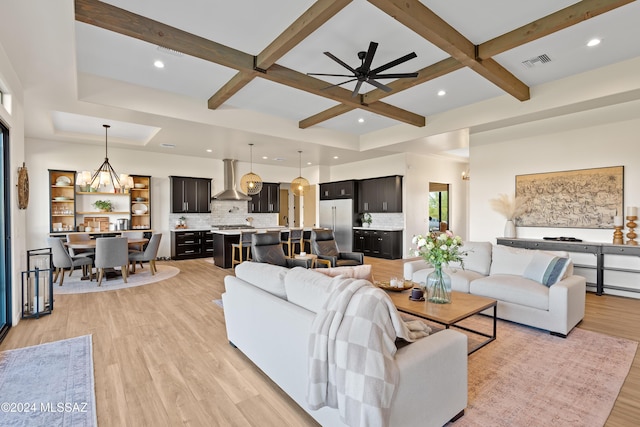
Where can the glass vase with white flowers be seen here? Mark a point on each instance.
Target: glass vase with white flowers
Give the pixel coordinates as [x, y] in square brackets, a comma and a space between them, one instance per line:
[438, 249]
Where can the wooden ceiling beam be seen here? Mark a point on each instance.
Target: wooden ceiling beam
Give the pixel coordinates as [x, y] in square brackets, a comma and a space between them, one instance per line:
[571, 15]
[430, 72]
[112, 18]
[416, 16]
[550, 24]
[319, 13]
[230, 88]
[316, 16]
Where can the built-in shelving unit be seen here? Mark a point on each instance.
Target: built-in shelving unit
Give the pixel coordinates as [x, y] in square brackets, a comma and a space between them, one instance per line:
[62, 201]
[141, 200]
[71, 209]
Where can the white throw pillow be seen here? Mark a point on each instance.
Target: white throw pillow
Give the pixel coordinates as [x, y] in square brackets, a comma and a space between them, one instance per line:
[546, 268]
[353, 272]
[514, 261]
[267, 277]
[307, 288]
[478, 257]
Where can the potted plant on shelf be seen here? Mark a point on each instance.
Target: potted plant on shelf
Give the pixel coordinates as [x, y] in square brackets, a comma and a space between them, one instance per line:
[103, 205]
[366, 220]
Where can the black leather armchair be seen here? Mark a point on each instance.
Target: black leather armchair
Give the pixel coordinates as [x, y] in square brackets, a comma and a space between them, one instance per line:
[323, 244]
[267, 248]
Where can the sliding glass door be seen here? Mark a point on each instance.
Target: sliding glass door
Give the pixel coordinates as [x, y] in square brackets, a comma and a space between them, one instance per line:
[5, 253]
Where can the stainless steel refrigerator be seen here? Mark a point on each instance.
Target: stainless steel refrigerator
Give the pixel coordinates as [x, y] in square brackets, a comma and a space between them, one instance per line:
[338, 215]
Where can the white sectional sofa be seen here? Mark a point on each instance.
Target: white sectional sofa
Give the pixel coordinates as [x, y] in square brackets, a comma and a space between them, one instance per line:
[514, 277]
[268, 312]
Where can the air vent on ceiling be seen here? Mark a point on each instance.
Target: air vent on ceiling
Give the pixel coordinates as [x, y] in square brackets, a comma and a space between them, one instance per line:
[540, 59]
[170, 51]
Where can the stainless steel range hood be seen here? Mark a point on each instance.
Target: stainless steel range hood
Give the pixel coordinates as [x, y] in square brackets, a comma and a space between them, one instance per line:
[230, 191]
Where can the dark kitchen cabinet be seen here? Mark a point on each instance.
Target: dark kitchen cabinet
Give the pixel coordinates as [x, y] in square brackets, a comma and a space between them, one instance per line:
[378, 243]
[191, 244]
[337, 190]
[267, 200]
[380, 194]
[190, 195]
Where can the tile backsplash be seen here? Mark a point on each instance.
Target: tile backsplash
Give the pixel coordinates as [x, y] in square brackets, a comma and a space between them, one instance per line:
[225, 212]
[387, 219]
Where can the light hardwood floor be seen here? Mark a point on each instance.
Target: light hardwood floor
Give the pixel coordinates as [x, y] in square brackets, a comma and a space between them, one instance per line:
[161, 356]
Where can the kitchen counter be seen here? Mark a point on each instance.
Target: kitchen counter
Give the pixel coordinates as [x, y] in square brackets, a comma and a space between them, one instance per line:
[380, 228]
[223, 239]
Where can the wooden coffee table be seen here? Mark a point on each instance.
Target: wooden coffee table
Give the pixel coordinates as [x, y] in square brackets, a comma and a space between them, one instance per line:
[462, 306]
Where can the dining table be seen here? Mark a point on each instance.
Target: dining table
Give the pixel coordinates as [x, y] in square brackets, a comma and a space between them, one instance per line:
[134, 243]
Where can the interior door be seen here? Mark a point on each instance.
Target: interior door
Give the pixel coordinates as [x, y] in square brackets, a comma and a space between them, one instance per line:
[283, 216]
[309, 206]
[5, 240]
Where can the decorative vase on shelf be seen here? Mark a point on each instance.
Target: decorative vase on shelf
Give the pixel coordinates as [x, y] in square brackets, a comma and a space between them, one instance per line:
[366, 224]
[438, 286]
[510, 230]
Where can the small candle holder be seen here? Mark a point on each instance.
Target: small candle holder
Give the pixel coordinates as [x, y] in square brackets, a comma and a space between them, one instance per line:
[618, 237]
[631, 235]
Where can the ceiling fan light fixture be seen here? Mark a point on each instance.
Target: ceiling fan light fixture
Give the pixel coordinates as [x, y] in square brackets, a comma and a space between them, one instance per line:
[442, 93]
[299, 183]
[364, 73]
[251, 183]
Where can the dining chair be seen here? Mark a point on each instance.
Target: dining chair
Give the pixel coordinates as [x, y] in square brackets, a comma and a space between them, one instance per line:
[62, 259]
[111, 252]
[324, 245]
[79, 238]
[294, 237]
[149, 254]
[242, 247]
[134, 235]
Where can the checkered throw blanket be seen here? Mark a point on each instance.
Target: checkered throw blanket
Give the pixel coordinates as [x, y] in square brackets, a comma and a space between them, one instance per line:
[351, 353]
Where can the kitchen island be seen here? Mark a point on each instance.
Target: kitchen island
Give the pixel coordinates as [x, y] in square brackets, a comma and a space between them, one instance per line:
[224, 238]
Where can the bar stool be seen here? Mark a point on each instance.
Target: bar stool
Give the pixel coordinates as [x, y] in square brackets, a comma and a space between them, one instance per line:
[244, 245]
[294, 238]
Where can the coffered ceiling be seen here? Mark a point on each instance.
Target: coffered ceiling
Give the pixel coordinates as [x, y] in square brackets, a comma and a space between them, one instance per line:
[236, 72]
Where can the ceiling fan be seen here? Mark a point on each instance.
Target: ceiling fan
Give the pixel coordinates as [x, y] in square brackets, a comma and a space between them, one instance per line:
[364, 73]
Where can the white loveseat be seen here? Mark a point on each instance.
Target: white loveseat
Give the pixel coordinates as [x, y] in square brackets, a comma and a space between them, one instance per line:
[268, 312]
[512, 276]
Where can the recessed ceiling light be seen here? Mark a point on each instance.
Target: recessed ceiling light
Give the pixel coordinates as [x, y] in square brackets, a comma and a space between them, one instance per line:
[360, 120]
[308, 163]
[336, 157]
[442, 93]
[209, 150]
[593, 42]
[158, 64]
[165, 145]
[264, 157]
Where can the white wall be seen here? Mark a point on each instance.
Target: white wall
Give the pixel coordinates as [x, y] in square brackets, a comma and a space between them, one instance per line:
[497, 157]
[43, 155]
[495, 166]
[14, 121]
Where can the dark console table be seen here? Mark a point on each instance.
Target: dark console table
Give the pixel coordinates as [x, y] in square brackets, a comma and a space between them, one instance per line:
[599, 249]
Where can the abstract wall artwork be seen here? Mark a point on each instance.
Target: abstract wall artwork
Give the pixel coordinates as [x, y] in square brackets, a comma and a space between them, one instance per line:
[587, 198]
